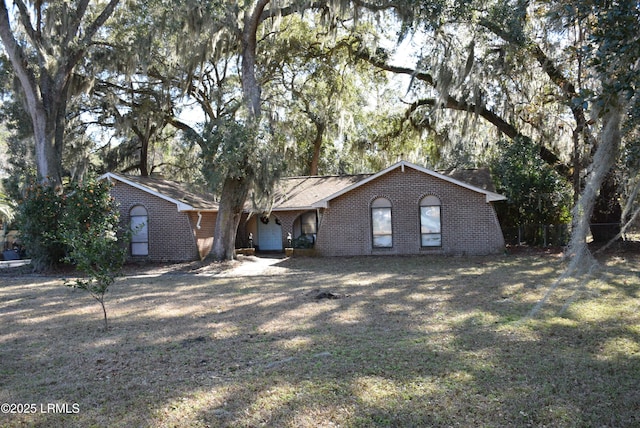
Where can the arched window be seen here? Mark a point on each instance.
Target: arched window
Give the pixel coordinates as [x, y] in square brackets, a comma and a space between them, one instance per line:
[140, 231]
[381, 223]
[430, 223]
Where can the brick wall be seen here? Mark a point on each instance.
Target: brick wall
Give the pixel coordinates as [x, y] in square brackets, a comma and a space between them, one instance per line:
[287, 218]
[204, 234]
[171, 237]
[469, 225]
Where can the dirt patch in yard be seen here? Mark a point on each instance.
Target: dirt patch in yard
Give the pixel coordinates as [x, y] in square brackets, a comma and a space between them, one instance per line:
[242, 266]
[410, 341]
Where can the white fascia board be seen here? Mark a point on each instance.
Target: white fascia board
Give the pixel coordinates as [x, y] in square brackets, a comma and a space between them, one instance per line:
[490, 196]
[304, 208]
[494, 197]
[181, 205]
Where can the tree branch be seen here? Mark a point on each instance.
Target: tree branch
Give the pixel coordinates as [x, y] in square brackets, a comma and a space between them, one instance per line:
[289, 10]
[180, 125]
[454, 104]
[99, 22]
[20, 65]
[25, 20]
[90, 31]
[377, 61]
[322, 4]
[555, 75]
[79, 13]
[502, 125]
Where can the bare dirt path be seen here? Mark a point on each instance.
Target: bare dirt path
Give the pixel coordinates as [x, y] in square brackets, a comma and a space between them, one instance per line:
[255, 265]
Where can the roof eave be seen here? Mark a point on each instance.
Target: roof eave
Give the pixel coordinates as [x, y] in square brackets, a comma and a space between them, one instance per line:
[182, 207]
[202, 210]
[300, 208]
[495, 197]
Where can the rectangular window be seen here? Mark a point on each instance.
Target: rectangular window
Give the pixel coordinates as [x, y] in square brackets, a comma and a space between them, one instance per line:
[430, 233]
[381, 222]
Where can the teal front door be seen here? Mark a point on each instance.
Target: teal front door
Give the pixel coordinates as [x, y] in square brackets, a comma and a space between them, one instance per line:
[269, 234]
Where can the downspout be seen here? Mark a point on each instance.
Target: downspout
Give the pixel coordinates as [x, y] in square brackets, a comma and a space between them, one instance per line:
[320, 217]
[198, 226]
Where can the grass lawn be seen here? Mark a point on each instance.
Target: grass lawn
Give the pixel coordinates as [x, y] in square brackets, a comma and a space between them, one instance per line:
[409, 341]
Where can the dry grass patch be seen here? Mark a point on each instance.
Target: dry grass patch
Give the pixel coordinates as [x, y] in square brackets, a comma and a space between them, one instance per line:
[411, 341]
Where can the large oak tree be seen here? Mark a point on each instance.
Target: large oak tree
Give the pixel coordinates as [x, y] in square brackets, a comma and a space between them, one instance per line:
[45, 41]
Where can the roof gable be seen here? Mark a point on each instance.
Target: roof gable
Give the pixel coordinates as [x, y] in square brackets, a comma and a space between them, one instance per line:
[490, 196]
[168, 190]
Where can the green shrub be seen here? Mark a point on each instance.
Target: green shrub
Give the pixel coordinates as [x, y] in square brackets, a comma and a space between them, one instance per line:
[38, 218]
[536, 193]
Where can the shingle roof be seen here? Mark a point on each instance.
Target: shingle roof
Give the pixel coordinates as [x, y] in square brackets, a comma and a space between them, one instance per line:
[172, 191]
[303, 192]
[479, 177]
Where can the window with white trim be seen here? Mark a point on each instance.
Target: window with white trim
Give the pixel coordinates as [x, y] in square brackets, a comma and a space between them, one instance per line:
[381, 223]
[430, 222]
[139, 231]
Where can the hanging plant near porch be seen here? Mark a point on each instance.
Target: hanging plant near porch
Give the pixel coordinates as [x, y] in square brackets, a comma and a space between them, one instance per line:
[264, 219]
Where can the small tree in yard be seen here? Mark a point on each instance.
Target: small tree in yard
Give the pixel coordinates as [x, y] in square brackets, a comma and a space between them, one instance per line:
[88, 229]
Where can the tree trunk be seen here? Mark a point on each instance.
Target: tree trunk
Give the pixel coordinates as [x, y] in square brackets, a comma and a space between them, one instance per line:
[48, 165]
[603, 161]
[235, 190]
[250, 87]
[144, 156]
[581, 259]
[317, 146]
[234, 194]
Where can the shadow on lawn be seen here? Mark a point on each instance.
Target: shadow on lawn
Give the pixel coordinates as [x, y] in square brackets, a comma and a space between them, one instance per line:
[412, 342]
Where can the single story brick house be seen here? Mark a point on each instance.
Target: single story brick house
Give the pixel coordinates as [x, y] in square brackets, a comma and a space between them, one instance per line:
[403, 209]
